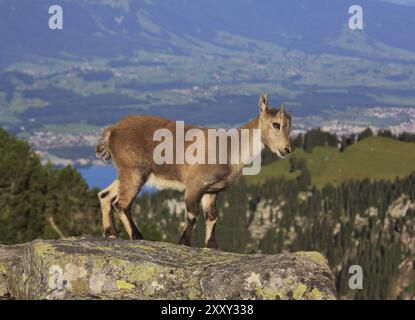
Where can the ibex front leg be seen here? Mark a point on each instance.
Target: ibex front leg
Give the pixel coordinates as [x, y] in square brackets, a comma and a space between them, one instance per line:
[209, 209]
[106, 197]
[192, 200]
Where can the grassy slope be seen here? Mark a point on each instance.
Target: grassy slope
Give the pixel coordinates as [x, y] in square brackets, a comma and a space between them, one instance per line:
[375, 158]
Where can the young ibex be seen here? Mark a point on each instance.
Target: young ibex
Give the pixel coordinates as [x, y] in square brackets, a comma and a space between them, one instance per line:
[130, 144]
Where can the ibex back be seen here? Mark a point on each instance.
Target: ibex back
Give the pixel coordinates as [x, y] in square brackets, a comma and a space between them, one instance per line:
[130, 144]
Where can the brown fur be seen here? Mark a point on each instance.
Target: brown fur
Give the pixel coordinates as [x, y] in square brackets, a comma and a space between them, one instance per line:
[129, 143]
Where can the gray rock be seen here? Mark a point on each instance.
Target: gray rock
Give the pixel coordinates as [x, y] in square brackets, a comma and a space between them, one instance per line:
[95, 268]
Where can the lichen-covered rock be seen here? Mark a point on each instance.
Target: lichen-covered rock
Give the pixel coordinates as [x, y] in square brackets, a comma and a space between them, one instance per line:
[92, 268]
[10, 272]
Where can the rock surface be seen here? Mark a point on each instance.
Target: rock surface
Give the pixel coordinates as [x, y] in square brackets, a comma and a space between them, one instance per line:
[94, 268]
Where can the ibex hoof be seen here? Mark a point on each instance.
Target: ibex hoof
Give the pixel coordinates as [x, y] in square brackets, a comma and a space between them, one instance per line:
[211, 245]
[109, 233]
[137, 236]
[185, 241]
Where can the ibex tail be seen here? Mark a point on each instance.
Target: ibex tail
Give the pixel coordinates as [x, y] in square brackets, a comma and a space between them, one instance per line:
[102, 150]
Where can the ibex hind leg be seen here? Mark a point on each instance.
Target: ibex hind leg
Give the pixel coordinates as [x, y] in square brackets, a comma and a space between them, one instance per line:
[130, 184]
[192, 206]
[209, 209]
[106, 197]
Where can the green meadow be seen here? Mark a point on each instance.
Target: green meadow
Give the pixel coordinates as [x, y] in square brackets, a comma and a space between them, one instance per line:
[375, 158]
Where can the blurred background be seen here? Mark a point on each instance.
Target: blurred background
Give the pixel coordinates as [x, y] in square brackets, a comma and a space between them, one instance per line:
[347, 190]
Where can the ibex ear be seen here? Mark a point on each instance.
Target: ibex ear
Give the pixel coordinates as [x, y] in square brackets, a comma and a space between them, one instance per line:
[263, 103]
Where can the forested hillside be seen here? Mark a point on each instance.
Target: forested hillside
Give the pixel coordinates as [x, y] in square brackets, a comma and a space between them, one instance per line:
[41, 202]
[370, 224]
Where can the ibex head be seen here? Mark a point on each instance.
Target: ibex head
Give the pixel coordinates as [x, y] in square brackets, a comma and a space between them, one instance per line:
[275, 125]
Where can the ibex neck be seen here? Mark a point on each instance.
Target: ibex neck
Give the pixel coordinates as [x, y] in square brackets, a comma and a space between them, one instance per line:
[253, 124]
[253, 147]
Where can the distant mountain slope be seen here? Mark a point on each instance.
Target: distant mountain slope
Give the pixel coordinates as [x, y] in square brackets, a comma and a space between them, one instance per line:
[375, 158]
[204, 62]
[109, 28]
[401, 2]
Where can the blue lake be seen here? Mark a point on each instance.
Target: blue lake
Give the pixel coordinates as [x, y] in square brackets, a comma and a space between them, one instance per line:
[102, 177]
[99, 177]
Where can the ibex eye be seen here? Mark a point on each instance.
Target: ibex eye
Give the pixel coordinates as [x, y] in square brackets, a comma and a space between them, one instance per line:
[276, 125]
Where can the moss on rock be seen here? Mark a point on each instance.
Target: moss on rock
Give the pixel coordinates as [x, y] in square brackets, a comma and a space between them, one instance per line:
[85, 268]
